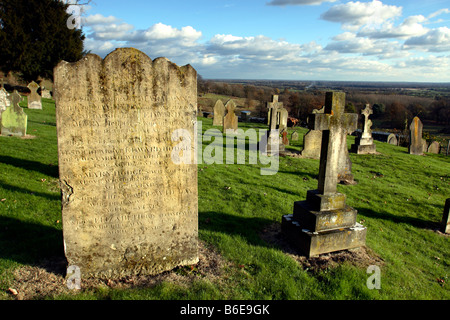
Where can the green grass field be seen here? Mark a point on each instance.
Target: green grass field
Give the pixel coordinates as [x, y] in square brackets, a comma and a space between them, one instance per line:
[399, 197]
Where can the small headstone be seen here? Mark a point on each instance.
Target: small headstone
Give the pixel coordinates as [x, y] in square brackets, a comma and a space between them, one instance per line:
[14, 119]
[446, 217]
[324, 222]
[294, 136]
[434, 147]
[128, 208]
[230, 121]
[392, 139]
[34, 99]
[219, 113]
[312, 141]
[365, 145]
[416, 145]
[45, 93]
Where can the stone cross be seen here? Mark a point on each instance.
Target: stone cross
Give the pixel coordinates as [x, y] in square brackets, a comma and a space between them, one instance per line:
[34, 99]
[365, 145]
[274, 108]
[324, 223]
[335, 124]
[367, 132]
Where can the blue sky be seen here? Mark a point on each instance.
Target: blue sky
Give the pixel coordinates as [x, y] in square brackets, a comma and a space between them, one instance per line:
[367, 40]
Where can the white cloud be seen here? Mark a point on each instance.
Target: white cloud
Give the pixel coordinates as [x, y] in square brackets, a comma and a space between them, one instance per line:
[353, 15]
[435, 40]
[411, 26]
[95, 19]
[297, 2]
[438, 13]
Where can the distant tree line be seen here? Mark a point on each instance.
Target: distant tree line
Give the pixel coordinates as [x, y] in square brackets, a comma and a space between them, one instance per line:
[394, 110]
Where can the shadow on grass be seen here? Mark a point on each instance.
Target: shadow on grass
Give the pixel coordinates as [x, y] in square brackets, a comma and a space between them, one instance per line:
[46, 169]
[26, 191]
[31, 244]
[415, 222]
[246, 227]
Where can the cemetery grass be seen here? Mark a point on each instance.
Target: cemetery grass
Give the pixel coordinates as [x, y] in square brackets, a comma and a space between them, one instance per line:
[399, 198]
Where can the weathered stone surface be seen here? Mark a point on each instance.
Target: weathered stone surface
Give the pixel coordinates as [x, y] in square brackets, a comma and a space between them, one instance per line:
[45, 93]
[285, 138]
[219, 113]
[434, 147]
[315, 243]
[392, 139]
[34, 99]
[14, 120]
[127, 207]
[416, 142]
[446, 217]
[294, 136]
[230, 121]
[324, 223]
[312, 141]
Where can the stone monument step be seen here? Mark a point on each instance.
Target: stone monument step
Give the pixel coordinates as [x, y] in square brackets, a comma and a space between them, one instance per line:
[315, 243]
[323, 220]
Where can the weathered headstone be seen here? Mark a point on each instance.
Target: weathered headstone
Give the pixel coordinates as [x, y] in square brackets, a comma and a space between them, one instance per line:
[365, 145]
[127, 207]
[34, 99]
[230, 121]
[45, 93]
[274, 141]
[219, 113]
[324, 223]
[434, 147]
[446, 217]
[312, 141]
[392, 139]
[416, 145]
[14, 119]
[294, 136]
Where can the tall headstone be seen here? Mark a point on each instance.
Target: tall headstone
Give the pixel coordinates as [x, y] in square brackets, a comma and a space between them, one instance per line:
[274, 141]
[365, 145]
[312, 141]
[446, 217]
[219, 112]
[127, 206]
[283, 116]
[324, 222]
[416, 142]
[230, 121]
[14, 119]
[34, 99]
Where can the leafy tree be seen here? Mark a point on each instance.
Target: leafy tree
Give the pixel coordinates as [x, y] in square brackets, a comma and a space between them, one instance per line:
[34, 37]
